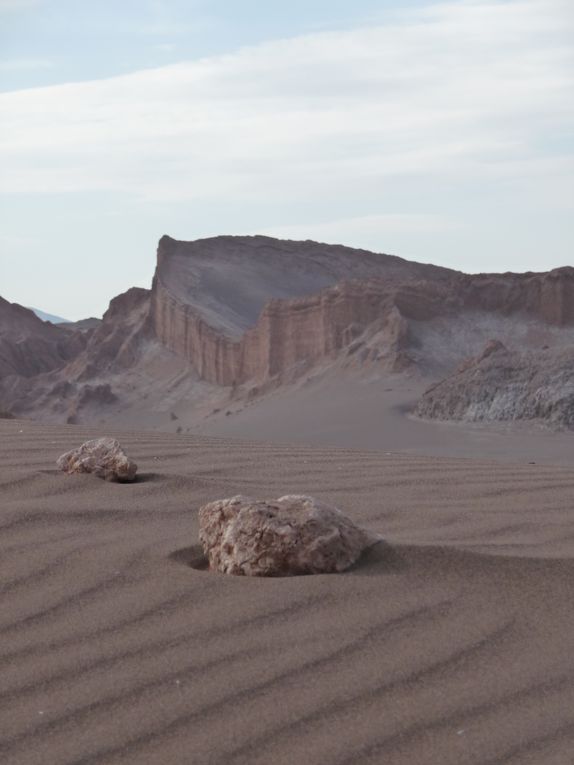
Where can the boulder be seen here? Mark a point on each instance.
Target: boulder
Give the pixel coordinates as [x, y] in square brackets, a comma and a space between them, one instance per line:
[282, 537]
[103, 457]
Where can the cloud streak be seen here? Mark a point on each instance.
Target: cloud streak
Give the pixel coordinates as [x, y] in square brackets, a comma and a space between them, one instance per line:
[370, 136]
[24, 64]
[17, 5]
[463, 88]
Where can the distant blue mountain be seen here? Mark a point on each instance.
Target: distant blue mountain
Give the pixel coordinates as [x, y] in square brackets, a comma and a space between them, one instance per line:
[48, 317]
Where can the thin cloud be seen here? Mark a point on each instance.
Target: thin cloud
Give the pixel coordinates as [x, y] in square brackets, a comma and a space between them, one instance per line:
[364, 230]
[16, 5]
[459, 90]
[24, 64]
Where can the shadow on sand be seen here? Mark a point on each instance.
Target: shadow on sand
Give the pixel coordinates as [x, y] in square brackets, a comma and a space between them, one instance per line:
[380, 559]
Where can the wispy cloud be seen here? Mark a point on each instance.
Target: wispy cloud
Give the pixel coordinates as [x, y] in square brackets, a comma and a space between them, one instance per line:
[462, 89]
[16, 5]
[166, 47]
[364, 229]
[24, 64]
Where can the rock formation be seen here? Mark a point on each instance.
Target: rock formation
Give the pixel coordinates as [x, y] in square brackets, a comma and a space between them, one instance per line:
[288, 536]
[82, 382]
[249, 308]
[247, 314]
[104, 457]
[30, 346]
[503, 385]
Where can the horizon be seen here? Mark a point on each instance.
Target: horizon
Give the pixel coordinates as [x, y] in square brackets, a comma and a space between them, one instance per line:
[439, 132]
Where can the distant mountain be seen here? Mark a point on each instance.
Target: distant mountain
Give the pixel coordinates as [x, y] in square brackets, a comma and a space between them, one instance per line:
[229, 320]
[49, 317]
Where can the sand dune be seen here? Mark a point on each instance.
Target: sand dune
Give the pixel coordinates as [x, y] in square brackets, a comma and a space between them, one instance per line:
[450, 644]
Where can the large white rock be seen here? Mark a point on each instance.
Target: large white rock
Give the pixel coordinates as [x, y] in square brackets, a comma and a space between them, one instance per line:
[291, 535]
[103, 457]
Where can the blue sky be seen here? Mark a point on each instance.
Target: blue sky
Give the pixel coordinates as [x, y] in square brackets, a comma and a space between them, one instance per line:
[45, 42]
[437, 131]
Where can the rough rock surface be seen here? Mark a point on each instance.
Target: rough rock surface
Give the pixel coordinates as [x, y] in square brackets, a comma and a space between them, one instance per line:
[30, 346]
[288, 536]
[503, 385]
[249, 308]
[245, 309]
[229, 318]
[103, 457]
[86, 383]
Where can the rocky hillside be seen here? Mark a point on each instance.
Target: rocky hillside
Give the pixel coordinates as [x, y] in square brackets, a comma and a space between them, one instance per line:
[249, 308]
[30, 346]
[82, 381]
[243, 309]
[504, 385]
[240, 315]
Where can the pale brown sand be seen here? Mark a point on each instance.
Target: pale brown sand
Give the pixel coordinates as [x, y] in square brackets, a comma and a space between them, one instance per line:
[346, 411]
[451, 645]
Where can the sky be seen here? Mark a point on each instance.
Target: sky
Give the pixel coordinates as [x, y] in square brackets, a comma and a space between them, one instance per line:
[438, 131]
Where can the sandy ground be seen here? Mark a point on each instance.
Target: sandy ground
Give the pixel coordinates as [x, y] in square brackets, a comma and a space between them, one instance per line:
[350, 412]
[451, 644]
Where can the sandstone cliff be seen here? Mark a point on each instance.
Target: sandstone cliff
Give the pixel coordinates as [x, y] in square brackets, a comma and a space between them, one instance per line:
[250, 313]
[245, 309]
[250, 308]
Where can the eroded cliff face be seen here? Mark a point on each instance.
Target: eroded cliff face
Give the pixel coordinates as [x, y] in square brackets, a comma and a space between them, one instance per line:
[254, 312]
[288, 333]
[277, 305]
[180, 328]
[296, 332]
[548, 297]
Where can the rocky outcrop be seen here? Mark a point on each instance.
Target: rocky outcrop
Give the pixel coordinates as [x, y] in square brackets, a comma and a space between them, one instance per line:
[545, 296]
[115, 343]
[288, 333]
[104, 457]
[30, 346]
[82, 383]
[288, 536]
[250, 309]
[252, 313]
[502, 385]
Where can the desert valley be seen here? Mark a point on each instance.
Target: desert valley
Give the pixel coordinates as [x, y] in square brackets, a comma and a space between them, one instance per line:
[238, 335]
[433, 409]
[286, 382]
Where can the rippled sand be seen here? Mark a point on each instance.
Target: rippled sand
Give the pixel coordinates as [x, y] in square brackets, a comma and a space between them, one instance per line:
[451, 644]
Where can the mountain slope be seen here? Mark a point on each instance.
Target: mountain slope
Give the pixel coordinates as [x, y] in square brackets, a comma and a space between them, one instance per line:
[229, 319]
[30, 346]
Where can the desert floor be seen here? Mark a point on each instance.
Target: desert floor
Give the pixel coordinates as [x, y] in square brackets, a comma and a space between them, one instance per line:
[451, 643]
[357, 413]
